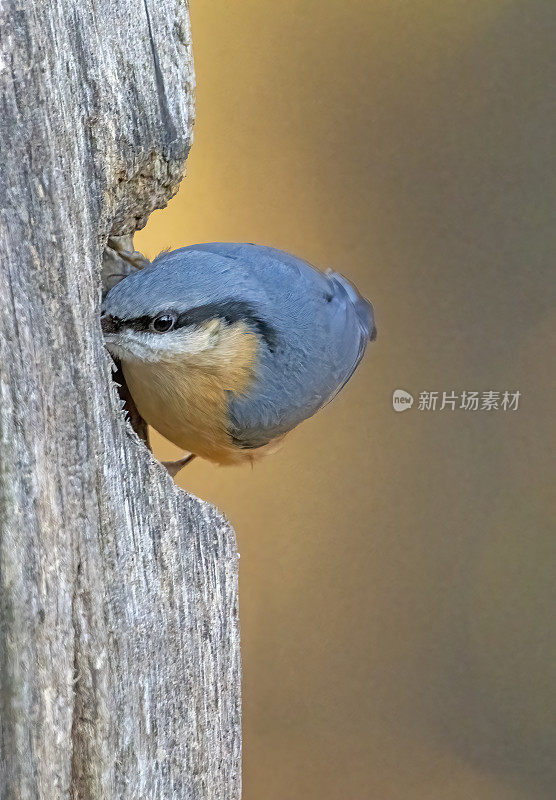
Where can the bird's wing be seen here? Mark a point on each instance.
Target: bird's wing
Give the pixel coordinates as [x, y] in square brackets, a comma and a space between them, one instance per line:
[323, 327]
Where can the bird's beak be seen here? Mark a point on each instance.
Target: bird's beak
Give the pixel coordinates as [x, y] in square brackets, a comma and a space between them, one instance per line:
[109, 324]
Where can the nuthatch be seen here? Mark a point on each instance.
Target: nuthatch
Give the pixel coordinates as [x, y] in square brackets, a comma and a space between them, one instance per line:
[227, 347]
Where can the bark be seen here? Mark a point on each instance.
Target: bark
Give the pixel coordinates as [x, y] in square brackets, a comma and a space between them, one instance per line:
[119, 654]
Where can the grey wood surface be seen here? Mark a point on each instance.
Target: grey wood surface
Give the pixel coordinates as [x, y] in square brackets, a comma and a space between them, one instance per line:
[119, 647]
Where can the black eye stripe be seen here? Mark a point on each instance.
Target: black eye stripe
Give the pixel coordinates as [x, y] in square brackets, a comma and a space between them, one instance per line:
[137, 323]
[230, 311]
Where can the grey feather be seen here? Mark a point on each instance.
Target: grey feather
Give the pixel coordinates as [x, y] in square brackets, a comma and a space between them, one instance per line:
[321, 324]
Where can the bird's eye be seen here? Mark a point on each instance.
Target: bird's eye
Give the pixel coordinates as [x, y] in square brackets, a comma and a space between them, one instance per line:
[163, 323]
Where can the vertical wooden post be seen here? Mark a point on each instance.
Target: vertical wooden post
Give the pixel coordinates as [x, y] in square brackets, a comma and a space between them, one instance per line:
[119, 651]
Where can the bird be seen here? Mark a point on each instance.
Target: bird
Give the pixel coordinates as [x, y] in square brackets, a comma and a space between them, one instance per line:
[226, 347]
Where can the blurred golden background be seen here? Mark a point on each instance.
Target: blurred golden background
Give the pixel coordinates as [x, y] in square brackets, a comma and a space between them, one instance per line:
[397, 578]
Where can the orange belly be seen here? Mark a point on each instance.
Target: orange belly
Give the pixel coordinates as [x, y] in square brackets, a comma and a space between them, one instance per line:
[187, 400]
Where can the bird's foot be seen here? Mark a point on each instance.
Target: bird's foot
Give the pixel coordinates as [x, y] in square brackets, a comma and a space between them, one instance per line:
[119, 260]
[174, 467]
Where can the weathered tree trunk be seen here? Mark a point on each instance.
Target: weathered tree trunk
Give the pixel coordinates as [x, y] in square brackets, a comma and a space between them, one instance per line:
[119, 656]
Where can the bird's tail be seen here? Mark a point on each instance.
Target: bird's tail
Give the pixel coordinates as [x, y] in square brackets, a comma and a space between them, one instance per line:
[363, 307]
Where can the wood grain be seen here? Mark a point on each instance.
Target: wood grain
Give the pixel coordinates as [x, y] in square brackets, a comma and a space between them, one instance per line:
[119, 647]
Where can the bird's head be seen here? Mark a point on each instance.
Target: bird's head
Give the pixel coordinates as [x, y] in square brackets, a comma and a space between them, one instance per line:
[161, 335]
[150, 316]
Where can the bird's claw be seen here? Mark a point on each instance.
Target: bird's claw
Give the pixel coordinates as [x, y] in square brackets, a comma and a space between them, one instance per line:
[120, 259]
[174, 467]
